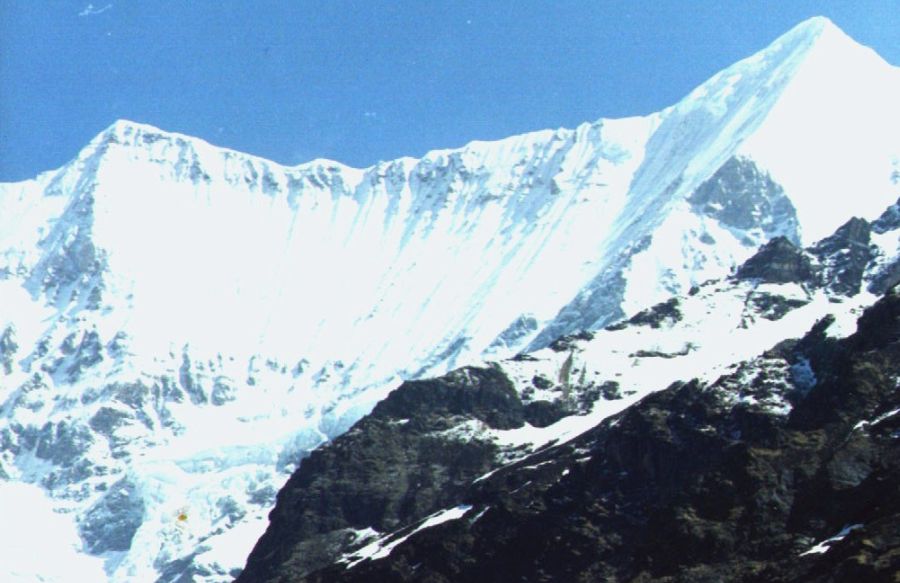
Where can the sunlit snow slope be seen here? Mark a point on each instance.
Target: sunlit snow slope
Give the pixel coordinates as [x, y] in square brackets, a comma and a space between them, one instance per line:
[179, 322]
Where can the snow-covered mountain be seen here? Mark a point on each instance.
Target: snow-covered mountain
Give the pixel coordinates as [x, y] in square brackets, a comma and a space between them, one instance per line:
[781, 467]
[180, 324]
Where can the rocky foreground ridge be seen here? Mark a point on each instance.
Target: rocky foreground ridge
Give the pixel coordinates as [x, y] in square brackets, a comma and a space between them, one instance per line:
[784, 467]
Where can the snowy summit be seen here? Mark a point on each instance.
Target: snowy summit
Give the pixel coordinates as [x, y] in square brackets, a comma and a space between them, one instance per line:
[182, 323]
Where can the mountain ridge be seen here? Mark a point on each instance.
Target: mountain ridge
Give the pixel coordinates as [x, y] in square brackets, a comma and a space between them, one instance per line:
[185, 322]
[810, 31]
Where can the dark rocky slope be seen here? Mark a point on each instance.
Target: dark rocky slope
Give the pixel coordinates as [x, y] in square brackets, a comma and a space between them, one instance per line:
[729, 480]
[392, 468]
[695, 483]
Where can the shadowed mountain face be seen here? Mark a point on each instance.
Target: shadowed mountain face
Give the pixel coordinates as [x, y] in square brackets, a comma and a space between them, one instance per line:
[744, 199]
[688, 486]
[782, 466]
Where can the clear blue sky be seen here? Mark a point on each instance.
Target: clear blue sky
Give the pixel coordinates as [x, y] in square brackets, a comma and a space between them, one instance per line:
[367, 80]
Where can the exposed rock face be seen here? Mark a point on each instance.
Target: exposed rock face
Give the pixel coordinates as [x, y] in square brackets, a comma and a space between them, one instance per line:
[843, 263]
[8, 348]
[779, 261]
[695, 483]
[845, 255]
[396, 466]
[655, 317]
[887, 226]
[111, 523]
[730, 479]
[889, 220]
[743, 198]
[72, 265]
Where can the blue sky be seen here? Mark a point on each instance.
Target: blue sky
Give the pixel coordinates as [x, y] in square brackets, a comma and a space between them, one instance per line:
[362, 81]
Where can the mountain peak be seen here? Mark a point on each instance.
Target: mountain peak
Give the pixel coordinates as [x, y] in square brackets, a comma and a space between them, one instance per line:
[828, 85]
[124, 131]
[823, 37]
[818, 30]
[125, 126]
[172, 286]
[813, 26]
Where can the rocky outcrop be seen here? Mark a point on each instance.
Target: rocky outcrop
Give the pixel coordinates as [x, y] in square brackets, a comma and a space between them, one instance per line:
[737, 479]
[657, 316]
[888, 227]
[858, 255]
[695, 483]
[778, 261]
[8, 348]
[743, 198]
[845, 255]
[72, 268]
[110, 524]
[889, 219]
[399, 464]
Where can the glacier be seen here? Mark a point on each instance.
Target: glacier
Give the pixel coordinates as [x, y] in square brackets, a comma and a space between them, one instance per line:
[181, 323]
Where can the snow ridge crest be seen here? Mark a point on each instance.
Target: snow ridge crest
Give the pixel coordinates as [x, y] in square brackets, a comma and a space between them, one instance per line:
[194, 307]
